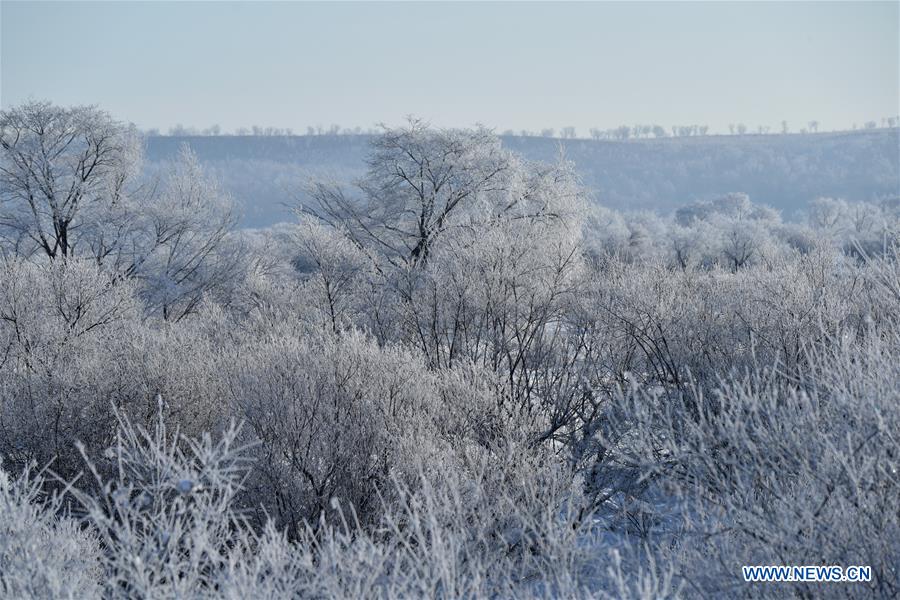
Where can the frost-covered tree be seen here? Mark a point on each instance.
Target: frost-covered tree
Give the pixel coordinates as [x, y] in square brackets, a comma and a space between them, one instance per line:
[182, 248]
[64, 174]
[473, 256]
[733, 229]
[828, 214]
[421, 184]
[457, 228]
[689, 245]
[70, 187]
[61, 325]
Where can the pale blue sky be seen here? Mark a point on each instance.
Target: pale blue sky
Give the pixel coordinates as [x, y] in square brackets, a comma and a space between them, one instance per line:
[507, 65]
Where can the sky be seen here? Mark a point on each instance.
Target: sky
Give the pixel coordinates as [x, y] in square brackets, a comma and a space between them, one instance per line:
[507, 65]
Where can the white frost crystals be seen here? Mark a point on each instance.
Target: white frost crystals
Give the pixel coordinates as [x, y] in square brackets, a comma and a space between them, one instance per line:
[457, 379]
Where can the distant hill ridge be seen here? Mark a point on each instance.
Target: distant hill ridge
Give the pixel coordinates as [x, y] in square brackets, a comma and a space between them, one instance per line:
[264, 173]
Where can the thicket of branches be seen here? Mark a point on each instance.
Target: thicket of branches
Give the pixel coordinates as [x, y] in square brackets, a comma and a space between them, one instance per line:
[457, 378]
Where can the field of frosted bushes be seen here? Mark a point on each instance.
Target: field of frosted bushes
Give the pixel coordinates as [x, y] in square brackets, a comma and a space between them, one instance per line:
[458, 378]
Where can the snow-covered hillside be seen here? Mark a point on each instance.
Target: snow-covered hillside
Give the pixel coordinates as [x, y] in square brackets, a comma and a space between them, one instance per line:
[265, 174]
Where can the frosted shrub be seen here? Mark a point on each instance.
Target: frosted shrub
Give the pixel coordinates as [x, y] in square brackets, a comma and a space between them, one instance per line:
[503, 520]
[167, 520]
[633, 572]
[882, 295]
[62, 325]
[768, 471]
[334, 416]
[666, 326]
[43, 556]
[500, 522]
